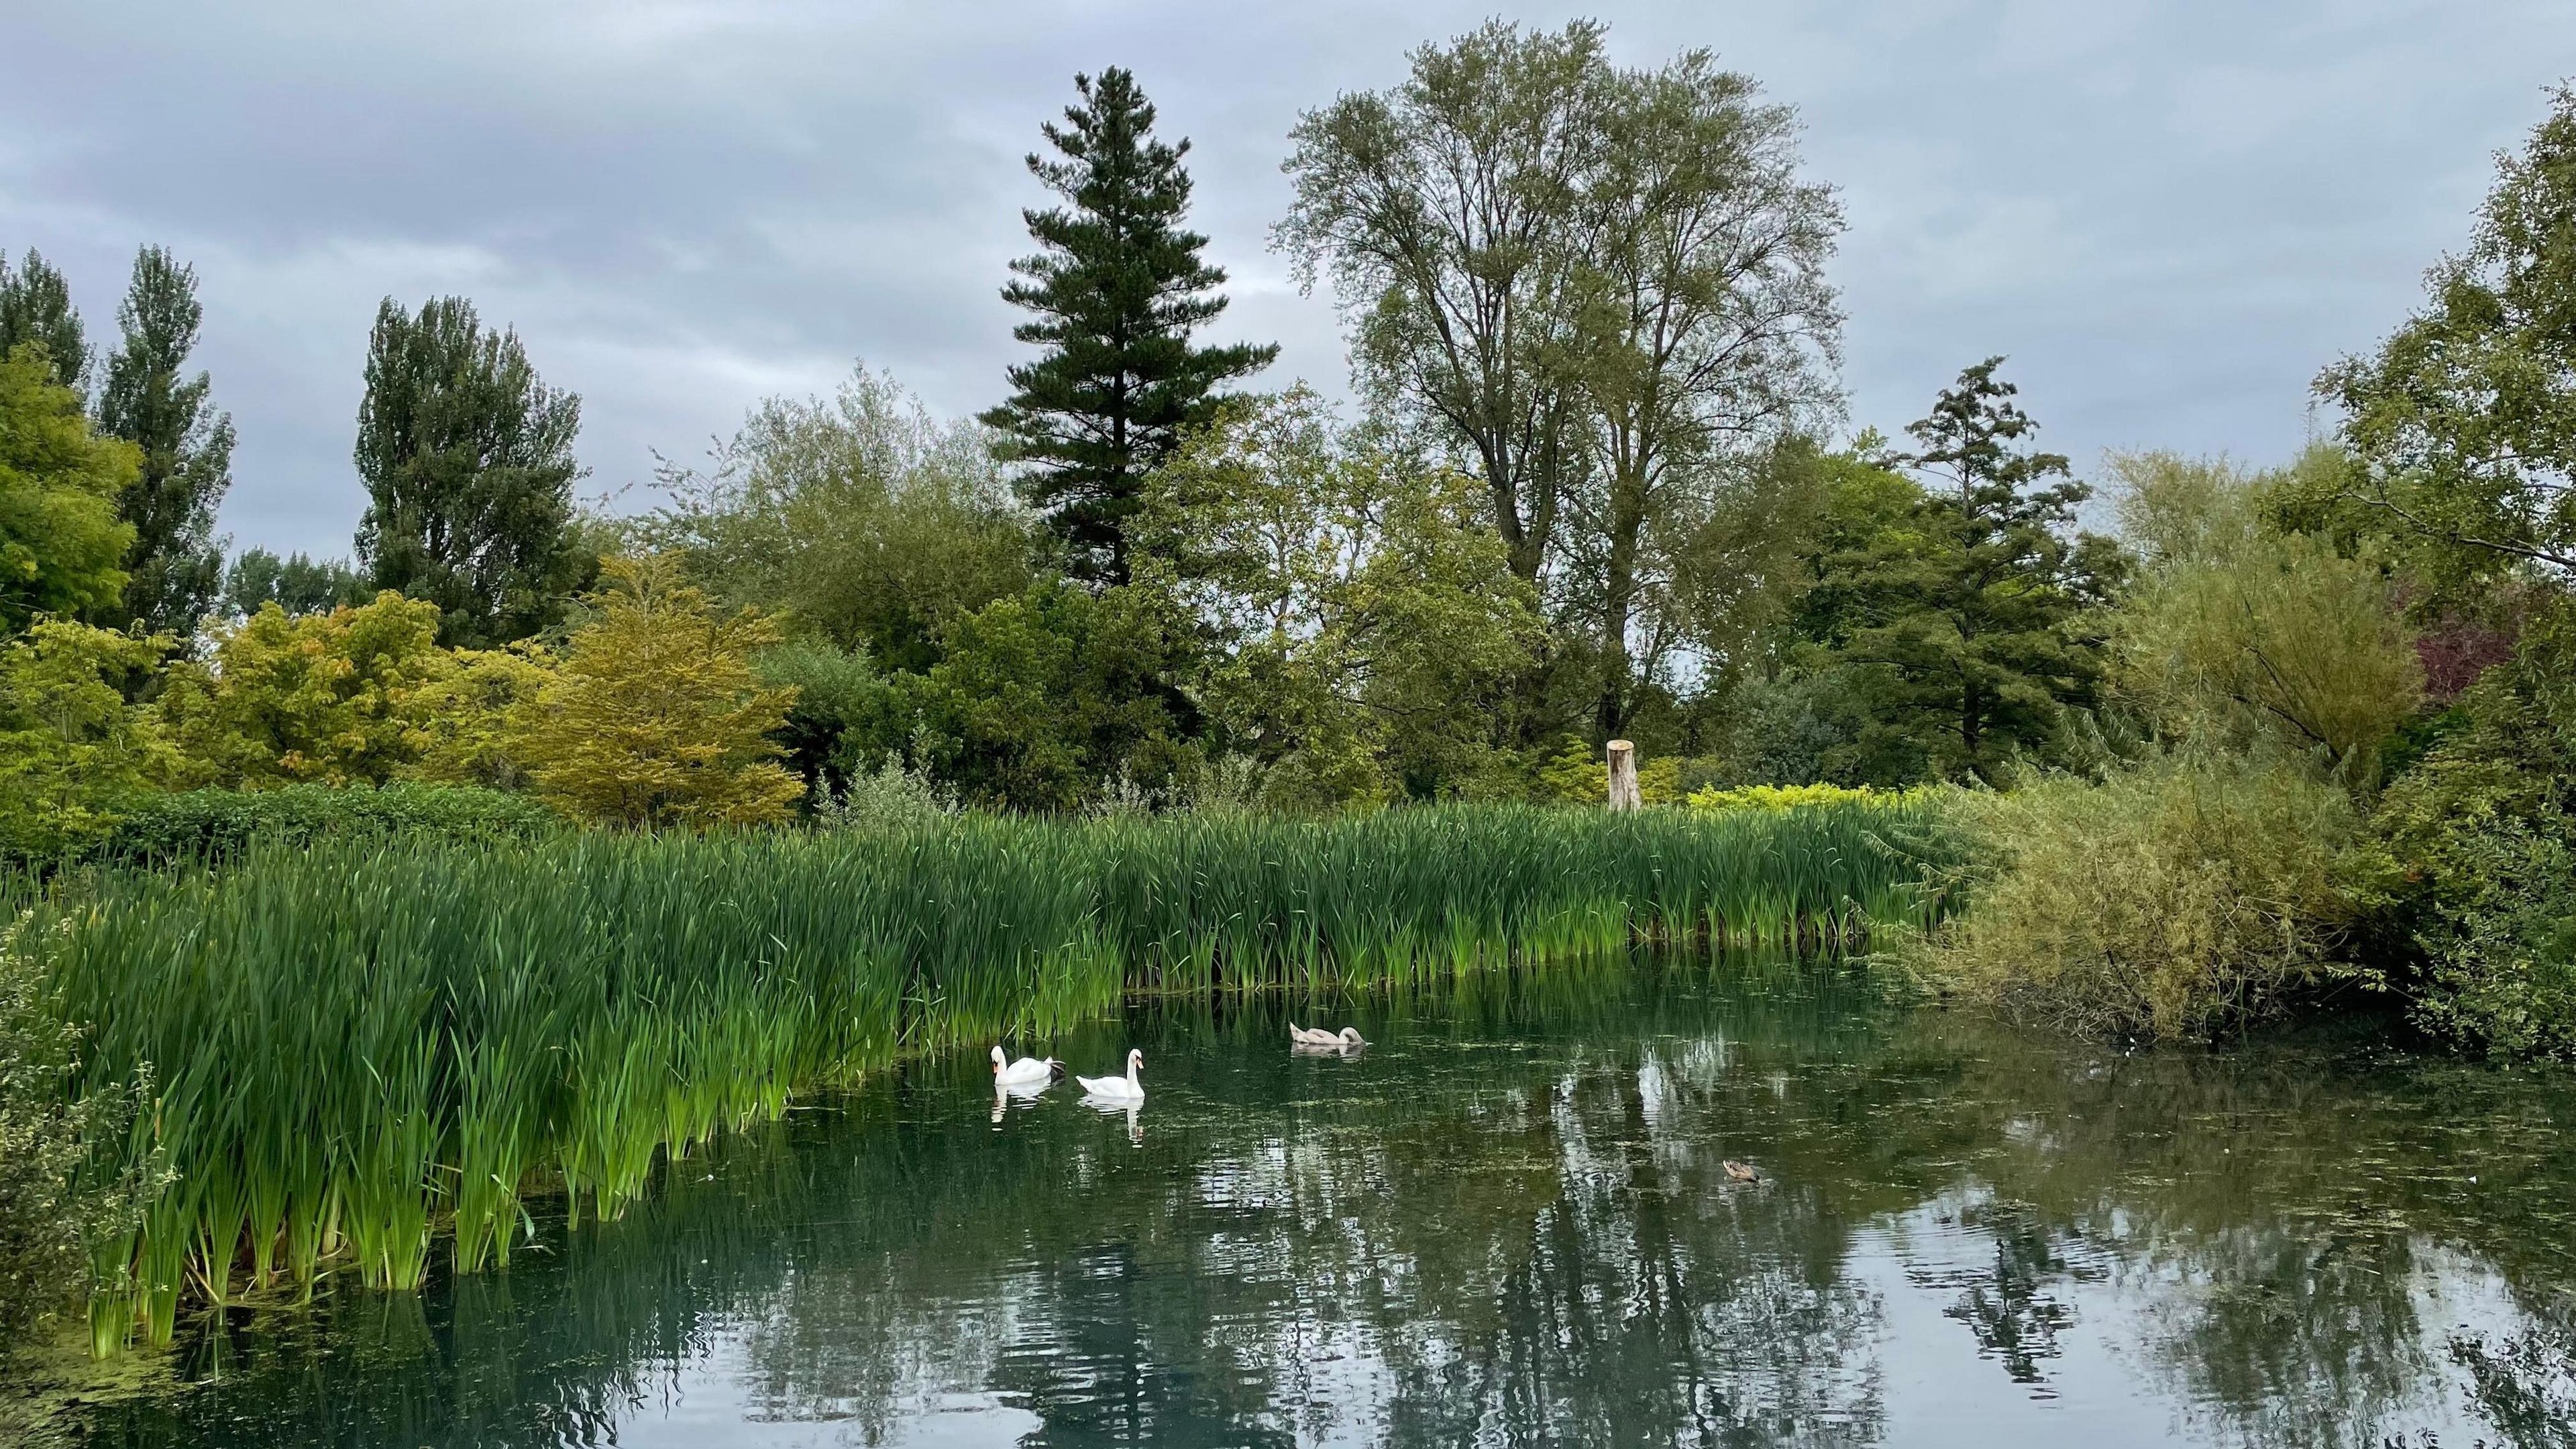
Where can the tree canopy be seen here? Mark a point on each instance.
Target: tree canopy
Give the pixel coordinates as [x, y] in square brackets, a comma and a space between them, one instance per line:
[36, 306]
[175, 565]
[62, 546]
[1117, 289]
[467, 459]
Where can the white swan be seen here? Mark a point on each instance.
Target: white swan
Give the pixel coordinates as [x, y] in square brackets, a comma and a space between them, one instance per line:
[1027, 1071]
[1122, 1089]
[1348, 1036]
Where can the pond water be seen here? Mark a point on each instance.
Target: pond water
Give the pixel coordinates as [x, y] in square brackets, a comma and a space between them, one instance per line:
[1509, 1221]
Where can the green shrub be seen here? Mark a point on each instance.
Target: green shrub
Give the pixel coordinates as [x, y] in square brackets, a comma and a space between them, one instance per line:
[52, 1210]
[212, 823]
[2181, 897]
[2476, 842]
[2502, 963]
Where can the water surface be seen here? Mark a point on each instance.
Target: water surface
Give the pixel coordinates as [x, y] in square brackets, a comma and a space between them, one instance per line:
[1508, 1222]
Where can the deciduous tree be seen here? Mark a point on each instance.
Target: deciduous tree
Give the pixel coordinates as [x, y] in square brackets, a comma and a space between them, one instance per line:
[1358, 616]
[857, 517]
[467, 459]
[296, 583]
[36, 306]
[174, 566]
[71, 748]
[62, 547]
[655, 717]
[332, 698]
[2238, 635]
[2464, 420]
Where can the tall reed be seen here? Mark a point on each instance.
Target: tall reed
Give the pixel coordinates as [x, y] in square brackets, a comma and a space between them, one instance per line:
[364, 1042]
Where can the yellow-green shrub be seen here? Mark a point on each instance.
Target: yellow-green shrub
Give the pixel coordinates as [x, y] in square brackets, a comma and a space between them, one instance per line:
[1790, 797]
[2180, 897]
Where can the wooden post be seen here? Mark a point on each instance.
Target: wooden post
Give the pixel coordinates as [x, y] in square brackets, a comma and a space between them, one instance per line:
[1623, 776]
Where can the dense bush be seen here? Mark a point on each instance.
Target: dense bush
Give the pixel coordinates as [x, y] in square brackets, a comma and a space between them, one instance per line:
[2476, 859]
[2181, 897]
[53, 1205]
[197, 824]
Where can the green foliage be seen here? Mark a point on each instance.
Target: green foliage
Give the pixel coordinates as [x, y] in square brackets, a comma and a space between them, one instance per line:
[1354, 608]
[174, 566]
[296, 584]
[62, 547]
[2184, 896]
[1967, 621]
[1441, 211]
[1800, 797]
[1040, 700]
[857, 518]
[846, 720]
[655, 716]
[217, 824]
[891, 796]
[55, 1203]
[459, 718]
[36, 307]
[1116, 293]
[2464, 421]
[320, 697]
[2241, 635]
[1695, 349]
[599, 1012]
[467, 460]
[72, 751]
[2472, 846]
[1604, 287]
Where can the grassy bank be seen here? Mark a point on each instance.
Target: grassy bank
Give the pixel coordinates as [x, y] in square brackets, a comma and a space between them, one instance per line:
[363, 1044]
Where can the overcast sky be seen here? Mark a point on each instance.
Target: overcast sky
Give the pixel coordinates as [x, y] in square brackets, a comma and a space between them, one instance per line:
[2168, 215]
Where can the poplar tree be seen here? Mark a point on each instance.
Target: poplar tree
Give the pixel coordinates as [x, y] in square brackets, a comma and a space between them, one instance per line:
[1116, 291]
[467, 459]
[174, 567]
[36, 306]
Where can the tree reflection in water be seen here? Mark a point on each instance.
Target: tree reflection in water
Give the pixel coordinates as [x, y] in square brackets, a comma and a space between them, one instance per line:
[1508, 1223]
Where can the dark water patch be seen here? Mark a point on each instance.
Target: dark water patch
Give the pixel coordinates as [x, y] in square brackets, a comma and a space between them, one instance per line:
[1510, 1221]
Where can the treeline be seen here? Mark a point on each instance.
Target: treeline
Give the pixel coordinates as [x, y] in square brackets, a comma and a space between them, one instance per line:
[2290, 731]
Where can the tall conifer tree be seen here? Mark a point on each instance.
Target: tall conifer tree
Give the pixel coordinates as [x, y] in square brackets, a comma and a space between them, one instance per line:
[175, 567]
[467, 458]
[1969, 616]
[36, 306]
[1117, 290]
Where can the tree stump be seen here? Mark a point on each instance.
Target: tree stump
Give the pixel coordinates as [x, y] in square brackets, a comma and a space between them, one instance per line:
[1623, 776]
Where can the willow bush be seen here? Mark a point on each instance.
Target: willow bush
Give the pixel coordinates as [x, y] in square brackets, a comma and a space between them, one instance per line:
[365, 1042]
[2180, 897]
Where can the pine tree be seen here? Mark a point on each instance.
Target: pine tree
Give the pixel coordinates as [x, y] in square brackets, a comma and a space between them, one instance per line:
[1968, 614]
[467, 458]
[175, 567]
[36, 306]
[1116, 291]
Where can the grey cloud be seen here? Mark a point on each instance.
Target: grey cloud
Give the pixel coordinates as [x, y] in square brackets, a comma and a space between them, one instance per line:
[2169, 214]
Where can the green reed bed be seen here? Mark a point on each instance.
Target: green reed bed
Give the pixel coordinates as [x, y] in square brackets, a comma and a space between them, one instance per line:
[361, 1045]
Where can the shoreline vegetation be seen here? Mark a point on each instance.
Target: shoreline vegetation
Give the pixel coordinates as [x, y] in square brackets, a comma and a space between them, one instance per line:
[364, 1045]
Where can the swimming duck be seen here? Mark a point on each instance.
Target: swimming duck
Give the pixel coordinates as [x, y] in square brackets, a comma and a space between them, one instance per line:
[1123, 1089]
[1738, 1172]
